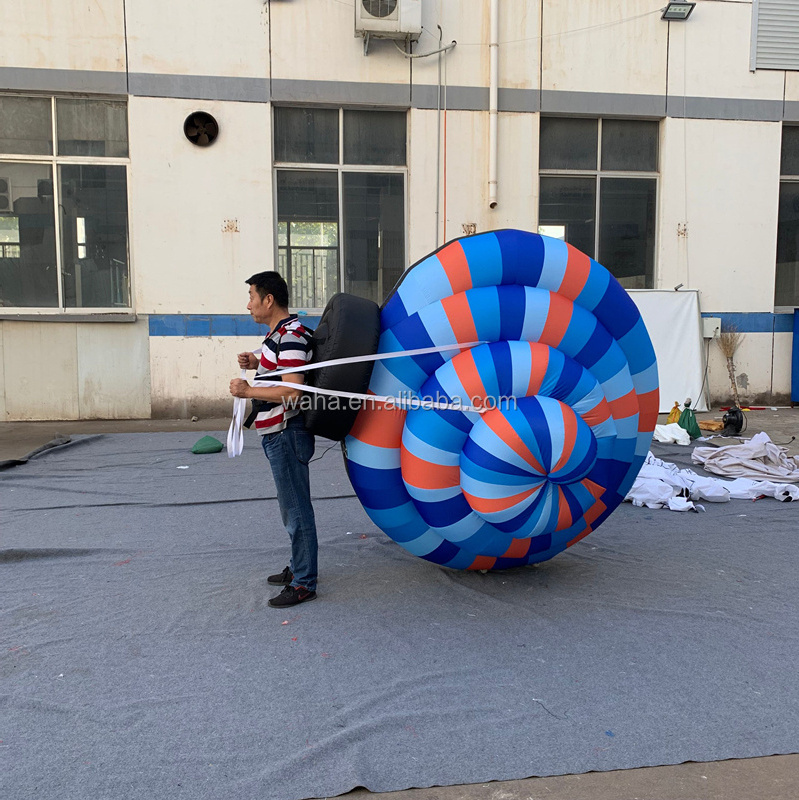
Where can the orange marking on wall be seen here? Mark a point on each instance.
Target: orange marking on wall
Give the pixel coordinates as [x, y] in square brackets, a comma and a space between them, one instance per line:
[578, 268]
[558, 319]
[519, 548]
[426, 475]
[459, 316]
[453, 259]
[380, 427]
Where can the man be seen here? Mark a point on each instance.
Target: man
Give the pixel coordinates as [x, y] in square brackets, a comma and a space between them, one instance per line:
[287, 444]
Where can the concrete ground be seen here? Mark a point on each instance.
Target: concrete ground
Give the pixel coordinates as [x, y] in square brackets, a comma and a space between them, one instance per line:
[768, 778]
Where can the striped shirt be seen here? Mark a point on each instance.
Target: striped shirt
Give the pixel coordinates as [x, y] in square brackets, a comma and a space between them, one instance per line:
[289, 344]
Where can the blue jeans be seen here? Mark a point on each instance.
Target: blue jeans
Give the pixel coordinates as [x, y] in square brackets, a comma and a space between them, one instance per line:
[289, 452]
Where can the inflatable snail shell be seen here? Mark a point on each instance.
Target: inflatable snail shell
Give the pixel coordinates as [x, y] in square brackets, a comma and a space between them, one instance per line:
[566, 378]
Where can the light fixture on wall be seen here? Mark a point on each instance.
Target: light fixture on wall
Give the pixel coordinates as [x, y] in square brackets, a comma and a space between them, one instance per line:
[677, 12]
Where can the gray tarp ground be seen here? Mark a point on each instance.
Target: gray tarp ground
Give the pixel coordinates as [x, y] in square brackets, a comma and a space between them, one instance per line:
[138, 657]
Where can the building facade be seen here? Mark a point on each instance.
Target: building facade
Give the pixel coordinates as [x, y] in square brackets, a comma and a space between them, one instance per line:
[154, 155]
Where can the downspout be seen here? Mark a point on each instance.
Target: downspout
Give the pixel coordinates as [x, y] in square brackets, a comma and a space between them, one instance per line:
[493, 82]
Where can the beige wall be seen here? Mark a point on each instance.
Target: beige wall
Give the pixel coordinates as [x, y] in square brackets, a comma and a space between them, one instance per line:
[94, 370]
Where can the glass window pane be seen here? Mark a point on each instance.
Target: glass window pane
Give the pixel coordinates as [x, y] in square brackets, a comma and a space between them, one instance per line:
[306, 135]
[630, 145]
[374, 233]
[568, 207]
[94, 236]
[374, 137]
[25, 126]
[627, 230]
[92, 128]
[568, 143]
[307, 210]
[786, 291]
[28, 273]
[789, 165]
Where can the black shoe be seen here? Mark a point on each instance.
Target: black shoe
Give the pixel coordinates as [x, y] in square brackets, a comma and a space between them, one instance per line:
[282, 578]
[292, 595]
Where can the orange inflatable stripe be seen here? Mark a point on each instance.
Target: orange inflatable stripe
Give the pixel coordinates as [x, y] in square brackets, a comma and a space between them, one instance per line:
[578, 268]
[503, 429]
[593, 513]
[488, 505]
[565, 519]
[379, 426]
[426, 475]
[453, 259]
[469, 376]
[580, 536]
[599, 413]
[570, 437]
[519, 548]
[558, 319]
[482, 562]
[540, 363]
[459, 316]
[649, 404]
[625, 406]
[596, 491]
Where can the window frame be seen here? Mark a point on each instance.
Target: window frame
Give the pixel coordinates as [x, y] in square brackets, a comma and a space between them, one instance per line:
[340, 168]
[54, 161]
[787, 178]
[599, 173]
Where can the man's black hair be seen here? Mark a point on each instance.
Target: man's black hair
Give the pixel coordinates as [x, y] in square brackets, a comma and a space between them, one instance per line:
[271, 283]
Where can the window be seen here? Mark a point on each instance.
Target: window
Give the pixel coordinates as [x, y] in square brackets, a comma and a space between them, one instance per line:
[340, 188]
[76, 258]
[598, 191]
[786, 286]
[775, 44]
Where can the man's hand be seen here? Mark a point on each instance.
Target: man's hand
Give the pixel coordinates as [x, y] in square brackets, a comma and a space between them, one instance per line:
[239, 387]
[248, 360]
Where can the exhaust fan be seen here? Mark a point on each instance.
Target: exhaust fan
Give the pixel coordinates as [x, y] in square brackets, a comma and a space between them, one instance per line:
[201, 128]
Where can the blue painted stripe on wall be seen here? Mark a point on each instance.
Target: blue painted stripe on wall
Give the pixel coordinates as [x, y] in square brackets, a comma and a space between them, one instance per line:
[753, 322]
[207, 325]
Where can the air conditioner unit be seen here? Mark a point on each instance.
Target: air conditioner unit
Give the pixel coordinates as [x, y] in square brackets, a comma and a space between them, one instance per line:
[388, 19]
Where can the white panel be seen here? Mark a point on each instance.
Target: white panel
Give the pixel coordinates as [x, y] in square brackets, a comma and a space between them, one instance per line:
[113, 370]
[730, 207]
[191, 376]
[673, 322]
[63, 35]
[201, 217]
[422, 145]
[41, 372]
[777, 34]
[184, 37]
[709, 57]
[604, 47]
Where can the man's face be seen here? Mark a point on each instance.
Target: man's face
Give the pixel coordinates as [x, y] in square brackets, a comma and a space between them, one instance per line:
[260, 308]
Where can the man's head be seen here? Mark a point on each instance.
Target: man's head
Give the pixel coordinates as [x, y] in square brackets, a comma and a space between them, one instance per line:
[269, 296]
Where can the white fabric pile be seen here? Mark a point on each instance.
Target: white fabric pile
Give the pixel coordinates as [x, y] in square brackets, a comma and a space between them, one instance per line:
[663, 485]
[759, 459]
[671, 434]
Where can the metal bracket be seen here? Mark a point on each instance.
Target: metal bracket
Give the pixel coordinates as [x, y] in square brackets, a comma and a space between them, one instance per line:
[366, 43]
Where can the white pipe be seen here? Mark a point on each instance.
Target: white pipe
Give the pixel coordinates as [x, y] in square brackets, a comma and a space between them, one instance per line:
[493, 83]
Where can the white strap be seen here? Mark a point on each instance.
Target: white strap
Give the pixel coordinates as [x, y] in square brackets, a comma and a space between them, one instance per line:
[235, 434]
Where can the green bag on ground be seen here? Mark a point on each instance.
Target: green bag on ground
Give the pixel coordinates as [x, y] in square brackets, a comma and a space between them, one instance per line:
[208, 444]
[687, 421]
